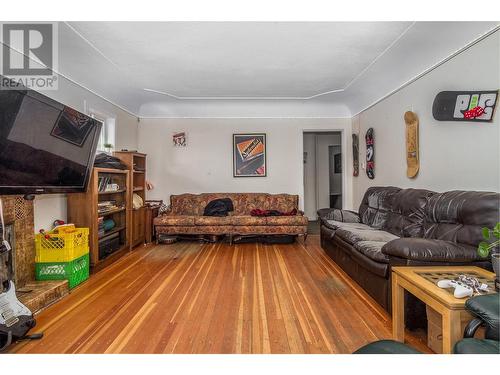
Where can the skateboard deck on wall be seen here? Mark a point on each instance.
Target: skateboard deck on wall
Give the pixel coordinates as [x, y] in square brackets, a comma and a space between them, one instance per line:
[412, 160]
[370, 154]
[454, 105]
[355, 155]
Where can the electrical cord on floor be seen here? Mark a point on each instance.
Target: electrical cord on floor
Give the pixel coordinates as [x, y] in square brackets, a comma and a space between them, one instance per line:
[4, 248]
[4, 245]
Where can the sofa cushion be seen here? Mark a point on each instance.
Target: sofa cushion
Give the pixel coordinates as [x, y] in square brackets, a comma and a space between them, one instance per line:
[248, 220]
[212, 220]
[333, 224]
[373, 250]
[286, 220]
[269, 229]
[376, 204]
[278, 202]
[406, 217]
[194, 229]
[398, 211]
[174, 220]
[185, 204]
[353, 235]
[458, 216]
[425, 250]
[346, 216]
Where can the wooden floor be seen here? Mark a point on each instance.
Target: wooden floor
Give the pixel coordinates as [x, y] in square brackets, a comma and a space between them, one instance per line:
[215, 298]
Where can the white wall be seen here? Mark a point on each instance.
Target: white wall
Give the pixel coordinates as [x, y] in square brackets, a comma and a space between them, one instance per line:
[453, 155]
[205, 165]
[310, 176]
[49, 207]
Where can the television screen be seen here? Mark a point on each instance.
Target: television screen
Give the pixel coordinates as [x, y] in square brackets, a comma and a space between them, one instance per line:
[45, 147]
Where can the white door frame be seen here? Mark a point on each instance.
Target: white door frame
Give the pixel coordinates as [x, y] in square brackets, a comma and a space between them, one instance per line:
[343, 144]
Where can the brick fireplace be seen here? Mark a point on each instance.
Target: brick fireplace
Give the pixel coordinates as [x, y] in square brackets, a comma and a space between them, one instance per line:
[20, 262]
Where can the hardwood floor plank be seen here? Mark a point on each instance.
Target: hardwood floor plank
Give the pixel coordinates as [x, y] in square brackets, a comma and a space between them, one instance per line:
[215, 298]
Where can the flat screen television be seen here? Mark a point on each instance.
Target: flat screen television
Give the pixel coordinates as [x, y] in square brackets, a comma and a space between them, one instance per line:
[45, 146]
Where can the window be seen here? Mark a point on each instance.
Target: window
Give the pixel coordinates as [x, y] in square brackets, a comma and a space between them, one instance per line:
[107, 131]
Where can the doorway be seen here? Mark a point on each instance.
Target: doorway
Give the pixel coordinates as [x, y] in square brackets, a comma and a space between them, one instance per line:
[322, 172]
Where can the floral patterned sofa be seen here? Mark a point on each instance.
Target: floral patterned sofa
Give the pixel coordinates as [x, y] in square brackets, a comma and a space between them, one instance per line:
[185, 215]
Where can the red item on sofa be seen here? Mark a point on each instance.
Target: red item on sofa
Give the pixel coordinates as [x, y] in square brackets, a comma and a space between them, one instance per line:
[263, 213]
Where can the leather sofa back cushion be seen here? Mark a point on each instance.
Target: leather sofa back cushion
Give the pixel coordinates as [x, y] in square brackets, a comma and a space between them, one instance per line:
[458, 216]
[194, 204]
[398, 211]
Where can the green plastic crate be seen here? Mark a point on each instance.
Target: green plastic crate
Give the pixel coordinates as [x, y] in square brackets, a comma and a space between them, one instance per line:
[75, 271]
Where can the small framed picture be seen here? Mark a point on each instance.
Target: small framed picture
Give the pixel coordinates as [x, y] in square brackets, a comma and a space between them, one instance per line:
[249, 155]
[337, 163]
[179, 139]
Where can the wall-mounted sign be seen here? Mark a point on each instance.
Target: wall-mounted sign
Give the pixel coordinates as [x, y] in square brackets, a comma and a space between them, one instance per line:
[465, 106]
[249, 155]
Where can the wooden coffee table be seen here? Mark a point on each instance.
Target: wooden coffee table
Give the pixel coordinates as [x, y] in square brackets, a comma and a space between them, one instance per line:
[421, 282]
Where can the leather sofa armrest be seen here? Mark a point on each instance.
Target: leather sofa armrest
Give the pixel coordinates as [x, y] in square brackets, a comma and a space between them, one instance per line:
[486, 308]
[430, 250]
[345, 216]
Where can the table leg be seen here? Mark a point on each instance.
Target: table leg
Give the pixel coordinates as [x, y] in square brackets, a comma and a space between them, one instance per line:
[398, 310]
[452, 330]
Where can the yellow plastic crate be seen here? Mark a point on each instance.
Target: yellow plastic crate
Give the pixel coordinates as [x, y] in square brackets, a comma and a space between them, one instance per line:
[62, 247]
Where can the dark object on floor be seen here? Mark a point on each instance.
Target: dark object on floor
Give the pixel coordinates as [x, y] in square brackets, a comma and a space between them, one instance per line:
[104, 160]
[211, 238]
[386, 347]
[313, 227]
[109, 245]
[277, 239]
[166, 239]
[219, 207]
[406, 227]
[266, 213]
[484, 308]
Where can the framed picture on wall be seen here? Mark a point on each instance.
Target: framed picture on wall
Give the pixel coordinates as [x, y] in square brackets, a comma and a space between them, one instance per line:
[337, 163]
[249, 155]
[179, 139]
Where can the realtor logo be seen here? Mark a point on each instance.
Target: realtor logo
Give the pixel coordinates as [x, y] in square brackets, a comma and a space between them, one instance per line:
[29, 55]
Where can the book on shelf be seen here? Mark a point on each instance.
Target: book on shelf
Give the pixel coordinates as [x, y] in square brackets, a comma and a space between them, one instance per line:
[100, 226]
[104, 207]
[105, 184]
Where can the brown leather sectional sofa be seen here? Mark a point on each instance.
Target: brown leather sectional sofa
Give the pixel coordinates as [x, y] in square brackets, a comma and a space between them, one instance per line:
[406, 227]
[185, 215]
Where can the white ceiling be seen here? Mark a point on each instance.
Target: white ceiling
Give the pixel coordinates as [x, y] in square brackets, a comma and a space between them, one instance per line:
[190, 67]
[237, 59]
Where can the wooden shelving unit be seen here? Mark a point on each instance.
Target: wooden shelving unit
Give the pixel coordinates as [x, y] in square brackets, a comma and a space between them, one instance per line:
[136, 163]
[83, 211]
